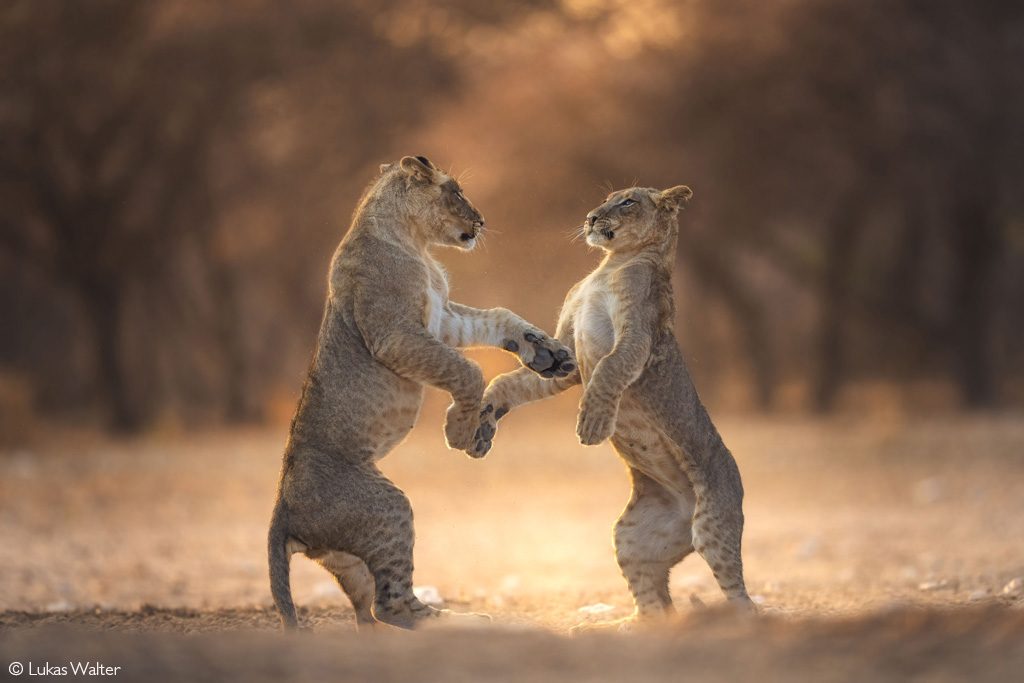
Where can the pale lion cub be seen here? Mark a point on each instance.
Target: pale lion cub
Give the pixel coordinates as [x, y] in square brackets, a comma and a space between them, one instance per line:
[388, 329]
[687, 493]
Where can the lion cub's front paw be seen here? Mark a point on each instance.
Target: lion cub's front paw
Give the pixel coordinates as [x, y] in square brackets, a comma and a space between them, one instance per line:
[596, 421]
[545, 356]
[461, 425]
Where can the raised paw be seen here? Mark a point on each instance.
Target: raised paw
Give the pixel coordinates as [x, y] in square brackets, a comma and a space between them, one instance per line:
[461, 426]
[596, 421]
[484, 436]
[547, 357]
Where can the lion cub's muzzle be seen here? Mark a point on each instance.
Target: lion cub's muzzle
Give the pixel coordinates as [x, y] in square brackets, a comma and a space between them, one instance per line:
[600, 225]
[476, 228]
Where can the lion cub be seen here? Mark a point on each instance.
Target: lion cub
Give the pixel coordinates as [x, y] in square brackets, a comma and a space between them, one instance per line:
[687, 493]
[388, 329]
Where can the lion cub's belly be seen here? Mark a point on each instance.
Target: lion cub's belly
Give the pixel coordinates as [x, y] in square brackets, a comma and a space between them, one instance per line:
[595, 333]
[641, 442]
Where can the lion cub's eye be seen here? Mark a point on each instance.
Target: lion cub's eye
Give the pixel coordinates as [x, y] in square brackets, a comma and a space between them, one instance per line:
[628, 202]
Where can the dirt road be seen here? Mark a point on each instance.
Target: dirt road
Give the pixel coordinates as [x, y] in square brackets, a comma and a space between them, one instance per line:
[878, 548]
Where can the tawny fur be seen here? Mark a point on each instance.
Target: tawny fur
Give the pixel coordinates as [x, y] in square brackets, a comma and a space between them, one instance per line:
[388, 329]
[686, 492]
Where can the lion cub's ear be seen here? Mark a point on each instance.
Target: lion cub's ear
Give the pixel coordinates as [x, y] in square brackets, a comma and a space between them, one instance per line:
[419, 168]
[673, 198]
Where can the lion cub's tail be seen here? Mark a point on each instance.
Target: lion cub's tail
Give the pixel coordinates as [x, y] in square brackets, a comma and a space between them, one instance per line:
[280, 568]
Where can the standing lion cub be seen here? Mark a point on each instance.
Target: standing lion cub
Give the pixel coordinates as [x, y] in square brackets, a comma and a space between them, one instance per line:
[637, 391]
[388, 329]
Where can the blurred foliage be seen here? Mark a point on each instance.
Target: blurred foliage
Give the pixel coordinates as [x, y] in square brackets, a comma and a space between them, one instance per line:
[174, 177]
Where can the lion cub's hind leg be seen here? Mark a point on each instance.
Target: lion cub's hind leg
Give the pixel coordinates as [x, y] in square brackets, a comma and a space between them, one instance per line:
[355, 579]
[362, 533]
[717, 534]
[652, 535]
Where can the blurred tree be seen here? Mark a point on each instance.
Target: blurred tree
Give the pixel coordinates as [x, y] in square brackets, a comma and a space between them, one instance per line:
[857, 141]
[111, 135]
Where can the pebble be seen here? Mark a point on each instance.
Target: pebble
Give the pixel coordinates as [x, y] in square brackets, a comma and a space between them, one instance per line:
[325, 589]
[1014, 587]
[598, 608]
[928, 491]
[429, 595]
[935, 585]
[808, 549]
[979, 594]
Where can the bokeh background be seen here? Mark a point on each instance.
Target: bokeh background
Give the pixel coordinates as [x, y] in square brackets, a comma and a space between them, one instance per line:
[175, 174]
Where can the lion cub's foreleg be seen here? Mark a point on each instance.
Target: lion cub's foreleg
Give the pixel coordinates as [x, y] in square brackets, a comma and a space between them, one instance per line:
[513, 389]
[465, 327]
[508, 392]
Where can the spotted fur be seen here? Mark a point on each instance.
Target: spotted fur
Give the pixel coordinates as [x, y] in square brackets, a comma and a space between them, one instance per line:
[686, 488]
[388, 329]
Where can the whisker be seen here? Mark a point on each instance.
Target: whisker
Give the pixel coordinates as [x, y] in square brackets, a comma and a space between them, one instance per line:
[576, 233]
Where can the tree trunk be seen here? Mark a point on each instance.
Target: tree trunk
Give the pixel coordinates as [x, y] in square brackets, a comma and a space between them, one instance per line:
[843, 237]
[747, 312]
[976, 240]
[104, 306]
[240, 406]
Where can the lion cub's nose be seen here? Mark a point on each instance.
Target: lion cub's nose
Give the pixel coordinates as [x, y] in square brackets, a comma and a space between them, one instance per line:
[591, 219]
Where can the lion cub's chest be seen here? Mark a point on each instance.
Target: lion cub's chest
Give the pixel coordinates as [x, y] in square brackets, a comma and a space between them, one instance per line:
[595, 329]
[437, 298]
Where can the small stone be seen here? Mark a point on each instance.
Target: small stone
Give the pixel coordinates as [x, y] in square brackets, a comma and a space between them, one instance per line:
[428, 595]
[928, 491]
[757, 599]
[511, 584]
[980, 594]
[808, 549]
[326, 589]
[1014, 587]
[934, 585]
[597, 608]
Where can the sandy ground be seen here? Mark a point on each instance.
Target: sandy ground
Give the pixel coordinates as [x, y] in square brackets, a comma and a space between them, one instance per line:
[878, 548]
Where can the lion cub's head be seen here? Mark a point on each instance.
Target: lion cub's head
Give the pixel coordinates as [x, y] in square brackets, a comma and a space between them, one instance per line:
[635, 218]
[435, 203]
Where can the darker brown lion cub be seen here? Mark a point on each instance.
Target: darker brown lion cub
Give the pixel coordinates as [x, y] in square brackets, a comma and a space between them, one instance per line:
[388, 329]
